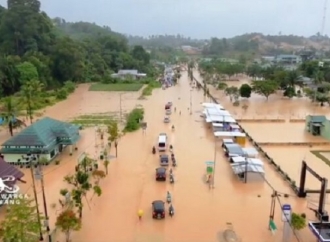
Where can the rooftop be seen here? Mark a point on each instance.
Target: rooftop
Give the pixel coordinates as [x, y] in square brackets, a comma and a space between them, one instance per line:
[42, 133]
[317, 118]
[127, 72]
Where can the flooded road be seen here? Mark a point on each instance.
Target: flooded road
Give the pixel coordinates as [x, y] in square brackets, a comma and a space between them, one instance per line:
[201, 213]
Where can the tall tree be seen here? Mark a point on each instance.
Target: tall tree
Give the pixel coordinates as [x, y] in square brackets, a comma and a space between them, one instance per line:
[21, 223]
[265, 88]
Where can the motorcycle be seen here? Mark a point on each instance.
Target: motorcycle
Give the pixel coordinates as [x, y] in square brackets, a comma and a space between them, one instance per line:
[172, 157]
[153, 150]
[171, 210]
[171, 178]
[174, 162]
[168, 197]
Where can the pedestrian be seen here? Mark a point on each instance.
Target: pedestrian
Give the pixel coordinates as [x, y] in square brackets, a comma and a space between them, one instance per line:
[140, 214]
[180, 112]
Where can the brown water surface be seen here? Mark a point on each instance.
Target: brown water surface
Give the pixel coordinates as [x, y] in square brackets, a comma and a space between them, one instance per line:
[201, 213]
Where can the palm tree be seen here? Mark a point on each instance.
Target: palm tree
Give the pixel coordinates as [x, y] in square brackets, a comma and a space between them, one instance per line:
[9, 112]
[30, 96]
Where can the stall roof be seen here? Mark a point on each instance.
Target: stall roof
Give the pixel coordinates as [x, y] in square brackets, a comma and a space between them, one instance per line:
[217, 125]
[215, 112]
[211, 105]
[240, 159]
[250, 151]
[228, 141]
[229, 134]
[221, 119]
[234, 149]
[234, 126]
[242, 168]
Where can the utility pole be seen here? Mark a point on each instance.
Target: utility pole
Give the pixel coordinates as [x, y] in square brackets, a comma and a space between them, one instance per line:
[214, 161]
[29, 158]
[272, 209]
[190, 101]
[120, 107]
[40, 176]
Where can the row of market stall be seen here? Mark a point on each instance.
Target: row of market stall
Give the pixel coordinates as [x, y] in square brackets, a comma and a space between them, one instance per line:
[243, 160]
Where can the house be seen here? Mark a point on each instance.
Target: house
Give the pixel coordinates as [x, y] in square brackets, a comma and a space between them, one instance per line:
[7, 170]
[305, 81]
[128, 74]
[318, 125]
[288, 59]
[47, 137]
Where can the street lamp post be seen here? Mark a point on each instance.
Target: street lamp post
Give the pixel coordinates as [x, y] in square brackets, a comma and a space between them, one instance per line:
[37, 174]
[29, 158]
[39, 167]
[214, 160]
[120, 107]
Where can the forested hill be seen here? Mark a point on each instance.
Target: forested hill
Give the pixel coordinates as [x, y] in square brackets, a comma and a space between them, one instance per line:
[173, 41]
[81, 30]
[35, 47]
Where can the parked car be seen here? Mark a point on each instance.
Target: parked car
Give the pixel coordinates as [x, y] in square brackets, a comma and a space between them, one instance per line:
[160, 174]
[167, 119]
[168, 112]
[163, 159]
[158, 209]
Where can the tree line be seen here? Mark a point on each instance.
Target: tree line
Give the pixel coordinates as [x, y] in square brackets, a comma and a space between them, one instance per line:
[310, 79]
[35, 47]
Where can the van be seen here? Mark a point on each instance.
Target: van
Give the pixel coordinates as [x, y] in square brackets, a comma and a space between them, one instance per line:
[162, 142]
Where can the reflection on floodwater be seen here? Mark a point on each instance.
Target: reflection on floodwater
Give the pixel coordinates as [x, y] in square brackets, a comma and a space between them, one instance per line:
[201, 213]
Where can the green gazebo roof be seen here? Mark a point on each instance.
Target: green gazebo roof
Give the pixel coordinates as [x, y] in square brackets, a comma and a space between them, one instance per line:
[44, 132]
[317, 118]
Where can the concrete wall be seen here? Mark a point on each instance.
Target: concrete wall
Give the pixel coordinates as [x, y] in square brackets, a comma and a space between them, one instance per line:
[13, 158]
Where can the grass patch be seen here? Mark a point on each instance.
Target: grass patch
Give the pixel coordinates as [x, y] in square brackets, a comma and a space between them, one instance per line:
[318, 154]
[116, 87]
[147, 91]
[93, 120]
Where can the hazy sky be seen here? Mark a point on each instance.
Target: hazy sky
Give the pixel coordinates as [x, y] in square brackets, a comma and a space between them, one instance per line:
[195, 18]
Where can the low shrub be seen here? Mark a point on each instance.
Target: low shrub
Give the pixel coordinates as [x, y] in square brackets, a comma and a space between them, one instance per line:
[61, 94]
[133, 120]
[69, 86]
[147, 91]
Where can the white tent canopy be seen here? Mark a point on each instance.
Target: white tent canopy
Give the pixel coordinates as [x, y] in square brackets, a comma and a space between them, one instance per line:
[220, 119]
[242, 168]
[250, 151]
[216, 112]
[212, 105]
[248, 161]
[229, 134]
[217, 125]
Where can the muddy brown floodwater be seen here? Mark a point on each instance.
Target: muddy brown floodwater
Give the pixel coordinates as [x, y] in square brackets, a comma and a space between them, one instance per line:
[201, 213]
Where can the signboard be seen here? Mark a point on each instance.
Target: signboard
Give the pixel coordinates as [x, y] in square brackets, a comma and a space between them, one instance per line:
[209, 163]
[286, 213]
[272, 226]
